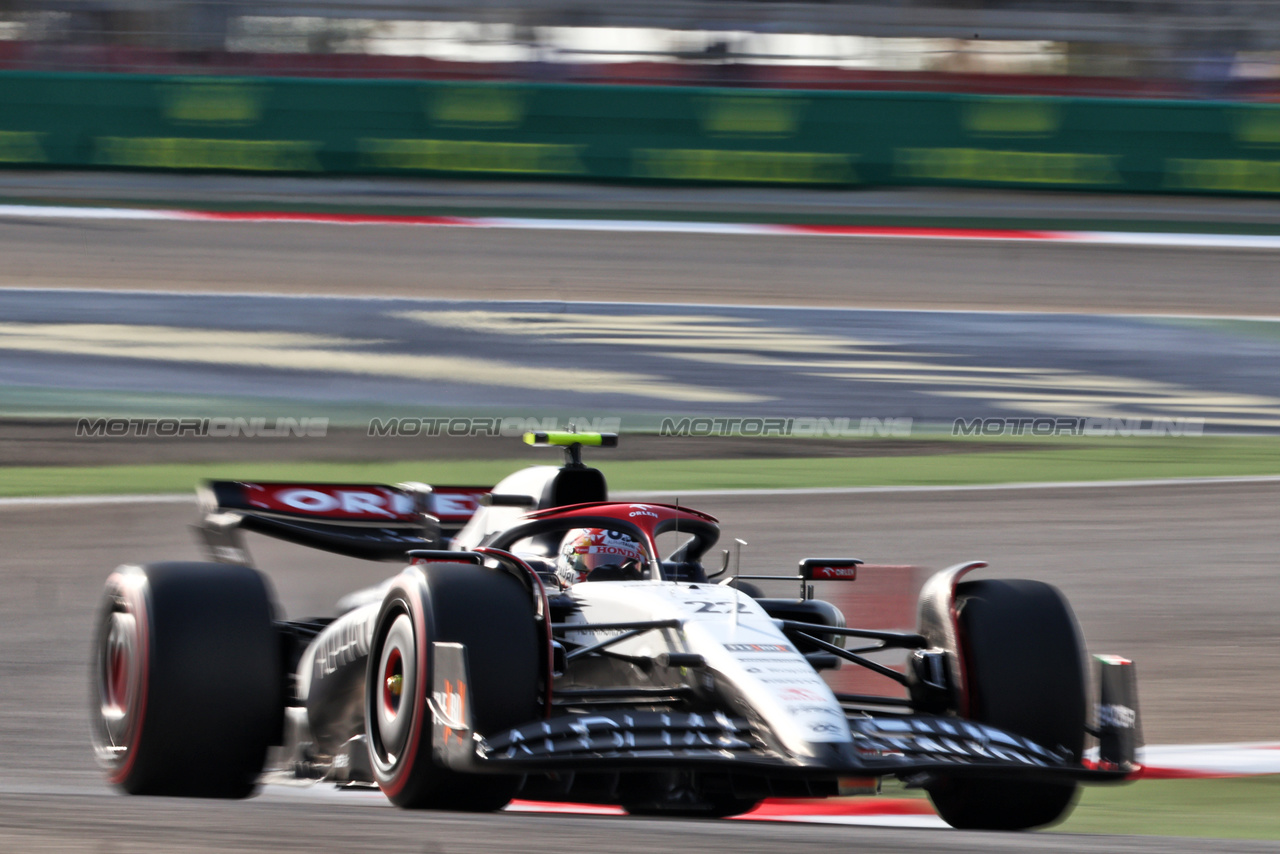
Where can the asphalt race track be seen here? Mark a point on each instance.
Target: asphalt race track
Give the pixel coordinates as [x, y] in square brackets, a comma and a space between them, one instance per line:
[502, 264]
[1133, 561]
[1180, 578]
[44, 823]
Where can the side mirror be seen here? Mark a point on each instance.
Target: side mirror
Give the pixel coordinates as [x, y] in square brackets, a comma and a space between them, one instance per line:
[724, 565]
[829, 569]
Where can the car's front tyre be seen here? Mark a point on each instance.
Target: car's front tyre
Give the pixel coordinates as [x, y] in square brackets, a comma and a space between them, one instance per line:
[490, 613]
[1025, 671]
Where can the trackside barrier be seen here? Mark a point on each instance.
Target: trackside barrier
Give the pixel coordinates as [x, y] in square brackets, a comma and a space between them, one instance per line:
[635, 133]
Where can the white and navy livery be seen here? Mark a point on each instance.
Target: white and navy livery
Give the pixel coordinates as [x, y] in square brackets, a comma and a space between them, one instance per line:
[479, 672]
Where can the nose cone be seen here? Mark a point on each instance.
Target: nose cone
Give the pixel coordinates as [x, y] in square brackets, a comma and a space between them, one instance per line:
[830, 754]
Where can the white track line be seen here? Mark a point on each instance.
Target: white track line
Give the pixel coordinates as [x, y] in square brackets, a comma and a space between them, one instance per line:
[184, 498]
[628, 226]
[928, 822]
[98, 500]
[71, 212]
[1249, 758]
[1174, 239]
[1105, 238]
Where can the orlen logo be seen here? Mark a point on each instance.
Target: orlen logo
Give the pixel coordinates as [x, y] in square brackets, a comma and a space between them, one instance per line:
[642, 510]
[368, 502]
[835, 573]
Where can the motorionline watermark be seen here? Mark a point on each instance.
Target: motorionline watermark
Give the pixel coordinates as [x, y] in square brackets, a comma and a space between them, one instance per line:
[202, 428]
[498, 425]
[1078, 427]
[796, 427]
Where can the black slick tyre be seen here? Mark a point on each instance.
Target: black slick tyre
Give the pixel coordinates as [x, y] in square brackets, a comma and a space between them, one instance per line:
[491, 614]
[1025, 668]
[186, 688]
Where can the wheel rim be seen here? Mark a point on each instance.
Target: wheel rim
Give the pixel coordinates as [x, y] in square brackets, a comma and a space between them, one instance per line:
[118, 664]
[397, 691]
[119, 674]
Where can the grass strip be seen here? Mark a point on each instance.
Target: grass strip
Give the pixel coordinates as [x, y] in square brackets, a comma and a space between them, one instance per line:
[1224, 808]
[1074, 462]
[1227, 808]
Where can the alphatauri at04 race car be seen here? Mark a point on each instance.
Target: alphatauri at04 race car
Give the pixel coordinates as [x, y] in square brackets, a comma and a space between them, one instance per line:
[478, 673]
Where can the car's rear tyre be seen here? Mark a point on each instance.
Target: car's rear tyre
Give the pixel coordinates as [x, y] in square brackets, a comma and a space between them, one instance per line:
[1025, 668]
[186, 686]
[491, 614]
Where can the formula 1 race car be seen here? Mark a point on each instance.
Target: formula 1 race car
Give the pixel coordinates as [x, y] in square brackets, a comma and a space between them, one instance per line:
[481, 672]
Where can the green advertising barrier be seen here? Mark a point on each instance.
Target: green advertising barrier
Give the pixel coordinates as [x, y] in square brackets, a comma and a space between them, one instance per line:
[625, 133]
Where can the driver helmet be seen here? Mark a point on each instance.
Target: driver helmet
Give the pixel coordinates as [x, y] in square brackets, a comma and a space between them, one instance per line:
[584, 550]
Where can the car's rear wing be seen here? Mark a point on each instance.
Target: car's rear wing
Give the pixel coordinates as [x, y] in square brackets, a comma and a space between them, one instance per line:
[372, 522]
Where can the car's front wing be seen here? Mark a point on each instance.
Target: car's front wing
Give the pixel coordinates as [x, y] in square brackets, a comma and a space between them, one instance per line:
[898, 745]
[620, 740]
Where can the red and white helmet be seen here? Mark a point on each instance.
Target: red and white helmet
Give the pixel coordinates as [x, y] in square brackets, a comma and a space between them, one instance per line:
[584, 550]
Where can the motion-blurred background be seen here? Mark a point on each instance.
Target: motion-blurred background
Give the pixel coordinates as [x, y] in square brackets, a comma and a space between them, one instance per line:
[1137, 95]
[1149, 48]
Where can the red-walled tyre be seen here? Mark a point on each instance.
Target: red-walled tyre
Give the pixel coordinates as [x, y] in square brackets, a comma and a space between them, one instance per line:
[491, 614]
[1025, 667]
[185, 684]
